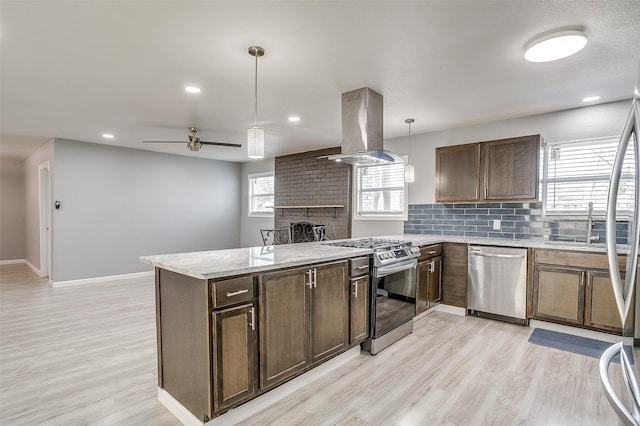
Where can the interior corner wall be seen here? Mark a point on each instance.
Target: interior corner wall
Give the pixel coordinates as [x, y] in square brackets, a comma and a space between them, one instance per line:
[250, 226]
[574, 124]
[119, 203]
[12, 209]
[32, 201]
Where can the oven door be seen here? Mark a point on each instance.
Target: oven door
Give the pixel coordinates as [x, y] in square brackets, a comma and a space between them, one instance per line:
[395, 302]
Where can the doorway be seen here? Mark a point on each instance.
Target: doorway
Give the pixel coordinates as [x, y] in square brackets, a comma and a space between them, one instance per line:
[45, 217]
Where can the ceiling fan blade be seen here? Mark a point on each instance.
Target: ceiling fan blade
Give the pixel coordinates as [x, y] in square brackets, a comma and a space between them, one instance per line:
[234, 145]
[164, 142]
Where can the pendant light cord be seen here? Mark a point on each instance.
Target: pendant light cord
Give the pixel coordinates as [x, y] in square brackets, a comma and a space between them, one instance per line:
[255, 121]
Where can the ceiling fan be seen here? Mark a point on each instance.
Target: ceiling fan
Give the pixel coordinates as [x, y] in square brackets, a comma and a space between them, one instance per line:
[194, 143]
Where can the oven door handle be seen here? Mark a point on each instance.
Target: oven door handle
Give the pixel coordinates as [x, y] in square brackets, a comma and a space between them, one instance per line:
[383, 271]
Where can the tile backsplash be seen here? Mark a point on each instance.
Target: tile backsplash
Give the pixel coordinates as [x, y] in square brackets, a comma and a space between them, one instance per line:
[516, 221]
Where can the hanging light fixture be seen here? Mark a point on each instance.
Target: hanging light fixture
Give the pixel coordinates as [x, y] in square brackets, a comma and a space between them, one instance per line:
[409, 172]
[255, 135]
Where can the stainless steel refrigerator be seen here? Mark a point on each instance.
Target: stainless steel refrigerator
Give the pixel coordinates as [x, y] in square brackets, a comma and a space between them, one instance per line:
[625, 401]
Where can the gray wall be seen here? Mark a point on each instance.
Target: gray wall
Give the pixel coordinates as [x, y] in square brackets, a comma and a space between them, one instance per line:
[12, 209]
[580, 123]
[250, 226]
[120, 203]
[32, 203]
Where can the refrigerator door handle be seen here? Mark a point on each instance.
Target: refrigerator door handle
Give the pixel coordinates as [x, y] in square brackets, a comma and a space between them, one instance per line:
[628, 417]
[623, 296]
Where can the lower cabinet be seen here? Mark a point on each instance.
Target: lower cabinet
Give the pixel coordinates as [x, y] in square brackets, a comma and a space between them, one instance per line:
[235, 355]
[576, 292]
[429, 284]
[454, 274]
[359, 310]
[304, 319]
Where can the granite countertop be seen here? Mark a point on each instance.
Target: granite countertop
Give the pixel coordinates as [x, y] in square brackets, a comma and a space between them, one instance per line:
[238, 261]
[229, 262]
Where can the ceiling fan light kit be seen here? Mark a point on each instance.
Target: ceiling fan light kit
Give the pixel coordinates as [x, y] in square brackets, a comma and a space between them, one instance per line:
[255, 135]
[554, 45]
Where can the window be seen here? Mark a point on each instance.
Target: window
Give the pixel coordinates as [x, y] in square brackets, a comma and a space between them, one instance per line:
[380, 192]
[576, 173]
[261, 190]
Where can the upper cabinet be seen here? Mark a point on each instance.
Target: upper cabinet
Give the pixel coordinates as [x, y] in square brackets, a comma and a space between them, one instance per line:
[501, 170]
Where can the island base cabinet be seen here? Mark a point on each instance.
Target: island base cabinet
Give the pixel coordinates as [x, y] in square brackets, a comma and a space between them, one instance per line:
[284, 325]
[359, 320]
[235, 356]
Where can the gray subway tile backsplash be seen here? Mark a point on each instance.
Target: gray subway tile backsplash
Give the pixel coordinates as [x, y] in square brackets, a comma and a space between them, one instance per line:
[517, 221]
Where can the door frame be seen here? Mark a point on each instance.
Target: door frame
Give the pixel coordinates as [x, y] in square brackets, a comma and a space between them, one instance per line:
[44, 217]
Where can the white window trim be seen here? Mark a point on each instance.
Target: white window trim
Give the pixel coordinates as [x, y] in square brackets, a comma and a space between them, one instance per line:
[249, 194]
[570, 215]
[405, 215]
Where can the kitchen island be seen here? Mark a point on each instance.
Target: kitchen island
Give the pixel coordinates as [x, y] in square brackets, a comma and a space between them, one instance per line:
[235, 324]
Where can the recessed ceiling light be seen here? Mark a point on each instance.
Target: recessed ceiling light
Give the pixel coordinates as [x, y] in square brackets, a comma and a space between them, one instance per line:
[294, 118]
[555, 45]
[591, 98]
[107, 135]
[192, 89]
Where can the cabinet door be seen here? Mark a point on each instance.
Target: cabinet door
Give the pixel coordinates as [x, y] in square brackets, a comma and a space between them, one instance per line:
[510, 169]
[283, 325]
[235, 350]
[434, 282]
[359, 322]
[454, 275]
[422, 280]
[601, 310]
[558, 294]
[329, 310]
[458, 173]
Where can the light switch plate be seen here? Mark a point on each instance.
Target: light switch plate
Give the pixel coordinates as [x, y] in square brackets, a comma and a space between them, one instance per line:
[496, 224]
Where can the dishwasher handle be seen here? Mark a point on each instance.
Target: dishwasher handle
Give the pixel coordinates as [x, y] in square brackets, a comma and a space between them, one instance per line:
[503, 256]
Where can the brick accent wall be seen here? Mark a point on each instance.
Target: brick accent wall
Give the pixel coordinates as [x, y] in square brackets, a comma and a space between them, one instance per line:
[302, 179]
[517, 220]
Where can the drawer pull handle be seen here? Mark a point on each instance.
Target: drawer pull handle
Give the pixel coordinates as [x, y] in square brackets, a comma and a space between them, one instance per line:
[237, 293]
[432, 252]
[364, 267]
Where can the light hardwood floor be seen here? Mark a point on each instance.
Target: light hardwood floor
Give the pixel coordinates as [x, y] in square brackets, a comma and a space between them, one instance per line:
[87, 355]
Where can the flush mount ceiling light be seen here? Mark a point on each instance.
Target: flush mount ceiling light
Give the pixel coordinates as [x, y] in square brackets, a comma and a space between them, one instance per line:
[192, 89]
[590, 98]
[555, 45]
[409, 172]
[107, 135]
[294, 119]
[255, 135]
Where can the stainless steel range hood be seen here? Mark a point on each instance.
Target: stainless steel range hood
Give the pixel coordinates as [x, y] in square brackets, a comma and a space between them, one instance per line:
[362, 130]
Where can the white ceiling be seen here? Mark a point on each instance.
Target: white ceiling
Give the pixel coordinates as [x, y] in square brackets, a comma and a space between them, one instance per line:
[77, 69]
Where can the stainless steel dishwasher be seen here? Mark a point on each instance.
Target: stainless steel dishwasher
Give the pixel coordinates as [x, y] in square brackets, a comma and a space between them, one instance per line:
[498, 283]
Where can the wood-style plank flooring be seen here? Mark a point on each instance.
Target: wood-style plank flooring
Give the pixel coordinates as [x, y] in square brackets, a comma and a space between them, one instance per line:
[86, 355]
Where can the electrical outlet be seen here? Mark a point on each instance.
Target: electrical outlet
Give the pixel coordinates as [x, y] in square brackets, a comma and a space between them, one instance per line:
[496, 224]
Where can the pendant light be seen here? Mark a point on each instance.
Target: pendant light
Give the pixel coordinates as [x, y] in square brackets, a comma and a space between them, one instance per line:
[255, 135]
[409, 173]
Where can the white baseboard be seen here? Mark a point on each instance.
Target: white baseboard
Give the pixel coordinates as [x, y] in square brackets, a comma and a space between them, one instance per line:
[451, 309]
[23, 261]
[591, 334]
[250, 408]
[57, 284]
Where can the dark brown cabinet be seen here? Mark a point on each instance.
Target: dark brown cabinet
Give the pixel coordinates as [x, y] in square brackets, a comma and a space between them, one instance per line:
[454, 274]
[501, 170]
[235, 355]
[575, 288]
[359, 310]
[458, 173]
[304, 318]
[428, 275]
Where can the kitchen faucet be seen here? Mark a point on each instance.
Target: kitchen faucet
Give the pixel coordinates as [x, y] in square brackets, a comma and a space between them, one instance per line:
[590, 236]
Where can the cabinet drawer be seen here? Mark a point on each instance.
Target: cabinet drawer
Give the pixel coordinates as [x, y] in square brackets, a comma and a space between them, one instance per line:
[427, 252]
[575, 259]
[232, 291]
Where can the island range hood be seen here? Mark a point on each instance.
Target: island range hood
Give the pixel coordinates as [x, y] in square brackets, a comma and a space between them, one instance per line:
[362, 130]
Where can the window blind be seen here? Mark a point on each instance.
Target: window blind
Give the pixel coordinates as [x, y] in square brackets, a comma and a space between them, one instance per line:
[380, 190]
[576, 173]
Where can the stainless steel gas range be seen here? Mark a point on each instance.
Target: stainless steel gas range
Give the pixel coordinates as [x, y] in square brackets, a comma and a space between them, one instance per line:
[393, 278]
